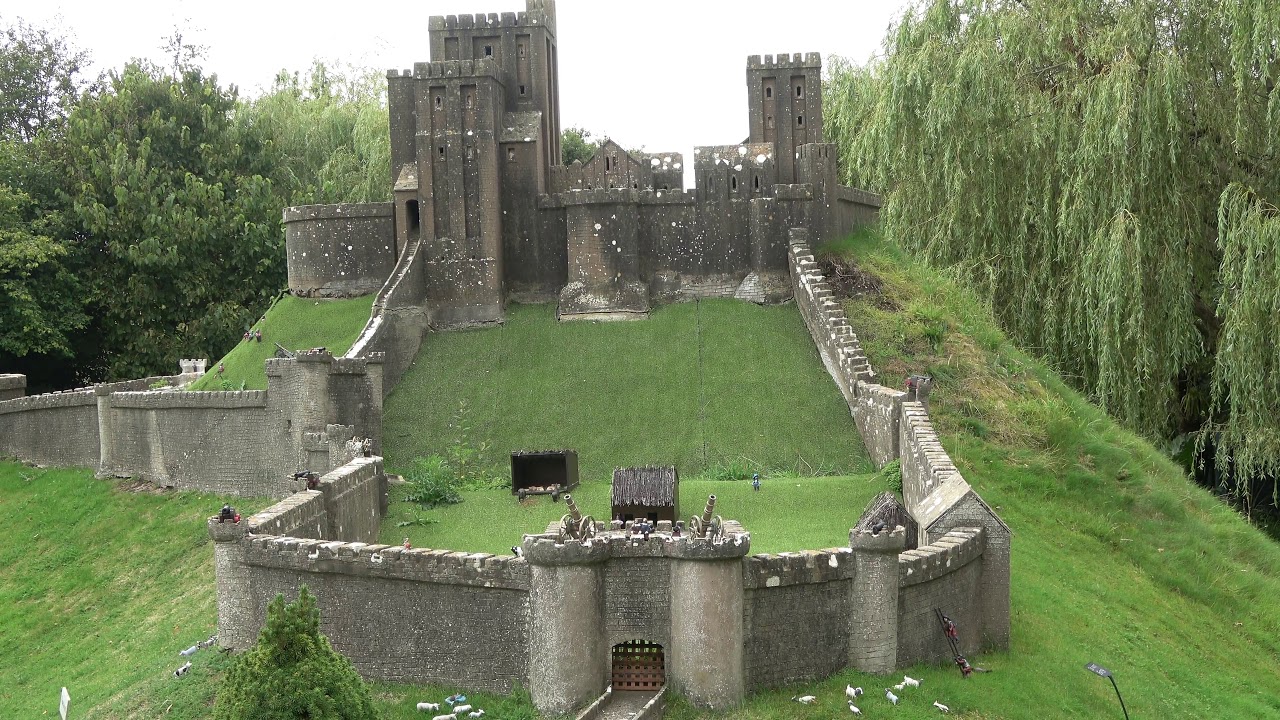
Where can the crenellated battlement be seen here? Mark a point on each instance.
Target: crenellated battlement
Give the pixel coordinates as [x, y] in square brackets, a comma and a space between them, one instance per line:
[945, 555]
[64, 398]
[785, 60]
[797, 568]
[484, 21]
[156, 399]
[454, 69]
[483, 570]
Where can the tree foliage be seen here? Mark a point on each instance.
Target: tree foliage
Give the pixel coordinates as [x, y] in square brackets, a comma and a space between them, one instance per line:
[577, 144]
[1069, 159]
[184, 241]
[324, 140]
[293, 672]
[39, 79]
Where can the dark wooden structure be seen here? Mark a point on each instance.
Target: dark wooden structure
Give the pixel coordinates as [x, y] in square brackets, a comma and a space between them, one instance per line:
[543, 472]
[638, 666]
[646, 492]
[885, 510]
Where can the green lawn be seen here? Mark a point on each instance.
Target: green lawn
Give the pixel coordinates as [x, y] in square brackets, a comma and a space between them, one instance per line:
[699, 385]
[788, 513]
[297, 324]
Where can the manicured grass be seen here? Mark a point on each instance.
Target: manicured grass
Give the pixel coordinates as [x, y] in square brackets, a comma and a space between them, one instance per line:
[296, 323]
[1118, 558]
[698, 385]
[788, 513]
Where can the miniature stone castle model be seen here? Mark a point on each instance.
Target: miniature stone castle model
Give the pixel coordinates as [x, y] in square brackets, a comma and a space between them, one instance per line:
[484, 212]
[475, 156]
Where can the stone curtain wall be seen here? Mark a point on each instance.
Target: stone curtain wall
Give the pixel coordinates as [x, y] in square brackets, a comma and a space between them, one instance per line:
[945, 575]
[894, 426]
[796, 613]
[420, 615]
[208, 441]
[237, 443]
[855, 208]
[423, 616]
[339, 250]
[59, 429]
[347, 504]
[53, 429]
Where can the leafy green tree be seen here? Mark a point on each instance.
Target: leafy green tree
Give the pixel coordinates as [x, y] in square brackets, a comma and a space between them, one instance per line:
[41, 303]
[293, 672]
[40, 78]
[325, 139]
[184, 241]
[1069, 159]
[577, 144]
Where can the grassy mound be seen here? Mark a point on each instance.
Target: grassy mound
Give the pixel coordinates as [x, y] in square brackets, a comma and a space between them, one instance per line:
[296, 323]
[702, 386]
[1117, 558]
[788, 513]
[104, 583]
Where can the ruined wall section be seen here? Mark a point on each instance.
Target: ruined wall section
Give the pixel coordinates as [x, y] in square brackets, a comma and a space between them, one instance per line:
[342, 250]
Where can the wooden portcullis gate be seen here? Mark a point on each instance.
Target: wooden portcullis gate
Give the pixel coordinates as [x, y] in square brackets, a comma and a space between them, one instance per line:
[638, 665]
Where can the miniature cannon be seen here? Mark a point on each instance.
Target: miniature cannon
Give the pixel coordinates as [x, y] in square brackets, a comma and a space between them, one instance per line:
[708, 526]
[574, 524]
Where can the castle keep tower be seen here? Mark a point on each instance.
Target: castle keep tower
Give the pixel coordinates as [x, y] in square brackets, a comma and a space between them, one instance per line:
[473, 135]
[784, 97]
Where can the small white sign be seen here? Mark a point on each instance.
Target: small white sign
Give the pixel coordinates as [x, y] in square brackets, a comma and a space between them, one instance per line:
[62, 706]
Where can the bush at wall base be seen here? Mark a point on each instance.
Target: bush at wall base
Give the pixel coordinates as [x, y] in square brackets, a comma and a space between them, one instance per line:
[293, 672]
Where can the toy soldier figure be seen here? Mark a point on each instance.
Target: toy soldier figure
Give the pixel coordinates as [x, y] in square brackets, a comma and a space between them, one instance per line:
[755, 482]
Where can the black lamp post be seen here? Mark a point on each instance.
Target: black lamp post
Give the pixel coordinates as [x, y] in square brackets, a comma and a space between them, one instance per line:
[1100, 671]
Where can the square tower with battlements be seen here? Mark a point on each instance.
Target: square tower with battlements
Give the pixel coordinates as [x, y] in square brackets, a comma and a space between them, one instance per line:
[784, 97]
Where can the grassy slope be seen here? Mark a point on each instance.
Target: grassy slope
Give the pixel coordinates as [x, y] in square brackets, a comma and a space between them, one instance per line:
[1117, 557]
[298, 324]
[630, 393]
[102, 587]
[788, 513]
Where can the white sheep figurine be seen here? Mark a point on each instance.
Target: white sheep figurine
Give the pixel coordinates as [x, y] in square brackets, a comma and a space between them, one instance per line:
[459, 709]
[428, 707]
[450, 716]
[476, 714]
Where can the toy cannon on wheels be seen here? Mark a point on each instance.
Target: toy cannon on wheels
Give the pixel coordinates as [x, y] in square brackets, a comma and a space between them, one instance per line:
[574, 524]
[708, 526]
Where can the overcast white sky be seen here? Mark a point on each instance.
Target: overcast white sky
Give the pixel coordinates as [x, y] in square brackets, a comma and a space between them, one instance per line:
[663, 74]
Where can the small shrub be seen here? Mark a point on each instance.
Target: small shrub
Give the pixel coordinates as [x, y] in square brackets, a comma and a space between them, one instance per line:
[892, 475]
[432, 482]
[293, 672]
[733, 470]
[159, 385]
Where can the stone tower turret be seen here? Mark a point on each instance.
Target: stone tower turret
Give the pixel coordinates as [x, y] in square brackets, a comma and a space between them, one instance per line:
[784, 97]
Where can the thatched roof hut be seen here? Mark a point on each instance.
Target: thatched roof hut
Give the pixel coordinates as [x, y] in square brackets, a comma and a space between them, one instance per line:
[646, 492]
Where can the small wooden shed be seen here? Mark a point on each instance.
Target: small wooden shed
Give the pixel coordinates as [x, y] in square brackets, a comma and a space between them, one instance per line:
[646, 492]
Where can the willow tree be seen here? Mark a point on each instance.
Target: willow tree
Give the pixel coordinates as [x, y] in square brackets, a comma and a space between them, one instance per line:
[1069, 159]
